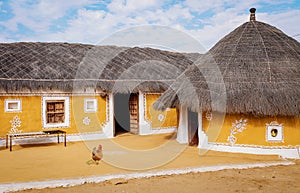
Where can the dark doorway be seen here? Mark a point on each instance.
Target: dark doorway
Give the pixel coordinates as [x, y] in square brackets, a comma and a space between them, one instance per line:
[126, 113]
[193, 128]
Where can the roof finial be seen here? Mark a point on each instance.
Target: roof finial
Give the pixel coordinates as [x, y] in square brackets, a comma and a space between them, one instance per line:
[252, 14]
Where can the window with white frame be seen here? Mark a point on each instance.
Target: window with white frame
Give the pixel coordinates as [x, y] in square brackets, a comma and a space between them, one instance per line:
[90, 105]
[274, 132]
[56, 112]
[13, 105]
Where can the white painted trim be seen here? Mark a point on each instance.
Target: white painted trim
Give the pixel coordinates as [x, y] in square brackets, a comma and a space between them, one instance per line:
[158, 131]
[66, 122]
[285, 152]
[144, 125]
[200, 127]
[87, 136]
[182, 133]
[109, 127]
[203, 138]
[277, 139]
[52, 94]
[136, 175]
[19, 105]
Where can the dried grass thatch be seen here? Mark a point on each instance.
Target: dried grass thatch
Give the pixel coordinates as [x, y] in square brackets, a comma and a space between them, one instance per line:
[40, 67]
[260, 71]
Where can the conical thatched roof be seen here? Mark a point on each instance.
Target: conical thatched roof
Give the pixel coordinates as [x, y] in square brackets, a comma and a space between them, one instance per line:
[259, 67]
[40, 67]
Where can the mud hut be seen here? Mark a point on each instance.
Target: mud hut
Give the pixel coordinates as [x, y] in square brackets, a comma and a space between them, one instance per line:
[90, 91]
[245, 91]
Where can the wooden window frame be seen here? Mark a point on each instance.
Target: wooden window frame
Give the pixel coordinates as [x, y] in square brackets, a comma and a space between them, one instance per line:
[66, 112]
[56, 113]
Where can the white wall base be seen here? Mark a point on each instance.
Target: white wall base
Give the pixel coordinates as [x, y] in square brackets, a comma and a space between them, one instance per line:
[285, 152]
[150, 131]
[33, 140]
[203, 139]
[53, 139]
[87, 136]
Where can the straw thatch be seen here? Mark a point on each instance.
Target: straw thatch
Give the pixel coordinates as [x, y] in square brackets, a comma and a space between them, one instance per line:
[40, 67]
[259, 67]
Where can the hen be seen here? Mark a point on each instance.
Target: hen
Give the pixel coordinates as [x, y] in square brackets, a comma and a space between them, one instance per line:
[96, 155]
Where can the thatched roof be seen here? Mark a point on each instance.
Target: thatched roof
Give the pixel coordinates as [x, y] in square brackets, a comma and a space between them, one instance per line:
[40, 67]
[259, 67]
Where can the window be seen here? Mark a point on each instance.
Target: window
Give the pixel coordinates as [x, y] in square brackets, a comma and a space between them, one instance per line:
[274, 132]
[56, 112]
[13, 105]
[90, 105]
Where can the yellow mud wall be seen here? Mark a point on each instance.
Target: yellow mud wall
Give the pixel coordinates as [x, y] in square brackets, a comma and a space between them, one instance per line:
[169, 116]
[97, 119]
[255, 132]
[31, 115]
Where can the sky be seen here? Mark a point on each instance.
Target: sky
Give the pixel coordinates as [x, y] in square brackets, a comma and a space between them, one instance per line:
[94, 21]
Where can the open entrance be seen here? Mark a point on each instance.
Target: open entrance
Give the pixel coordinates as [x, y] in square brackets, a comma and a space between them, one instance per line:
[193, 128]
[126, 113]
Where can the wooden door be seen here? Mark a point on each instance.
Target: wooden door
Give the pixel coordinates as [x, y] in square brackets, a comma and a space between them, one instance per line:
[134, 113]
[193, 128]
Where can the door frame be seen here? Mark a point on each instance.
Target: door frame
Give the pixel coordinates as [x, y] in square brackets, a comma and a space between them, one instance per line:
[193, 124]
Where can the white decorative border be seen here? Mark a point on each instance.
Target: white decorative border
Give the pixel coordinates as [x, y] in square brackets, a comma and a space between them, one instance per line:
[19, 105]
[53, 93]
[66, 122]
[283, 151]
[145, 108]
[87, 136]
[95, 105]
[107, 108]
[108, 126]
[97, 179]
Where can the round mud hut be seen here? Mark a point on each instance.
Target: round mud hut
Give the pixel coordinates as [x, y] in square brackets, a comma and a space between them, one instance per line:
[243, 95]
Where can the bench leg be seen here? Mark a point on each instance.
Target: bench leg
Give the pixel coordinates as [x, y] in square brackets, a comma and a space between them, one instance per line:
[57, 138]
[6, 141]
[65, 138]
[10, 143]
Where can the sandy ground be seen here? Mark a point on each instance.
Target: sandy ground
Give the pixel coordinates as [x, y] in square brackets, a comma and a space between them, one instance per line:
[276, 179]
[128, 154]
